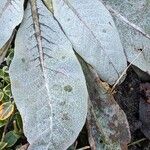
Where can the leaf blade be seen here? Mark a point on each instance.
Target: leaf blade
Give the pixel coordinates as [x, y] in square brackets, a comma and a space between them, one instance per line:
[43, 66]
[6, 110]
[11, 138]
[11, 14]
[132, 20]
[107, 124]
[95, 39]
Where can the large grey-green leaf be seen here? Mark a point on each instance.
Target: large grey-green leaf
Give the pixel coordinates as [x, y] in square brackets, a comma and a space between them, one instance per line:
[48, 84]
[11, 14]
[90, 28]
[133, 21]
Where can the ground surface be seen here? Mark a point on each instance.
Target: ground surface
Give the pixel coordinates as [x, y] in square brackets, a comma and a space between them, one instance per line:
[128, 97]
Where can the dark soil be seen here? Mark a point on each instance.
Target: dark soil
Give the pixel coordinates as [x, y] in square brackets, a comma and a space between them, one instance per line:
[128, 96]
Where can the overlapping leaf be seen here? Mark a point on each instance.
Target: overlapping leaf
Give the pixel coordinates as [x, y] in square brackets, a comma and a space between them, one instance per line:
[92, 32]
[11, 14]
[47, 82]
[107, 124]
[132, 19]
[6, 110]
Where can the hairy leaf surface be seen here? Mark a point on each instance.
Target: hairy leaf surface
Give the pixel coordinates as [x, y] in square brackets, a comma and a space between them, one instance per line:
[11, 14]
[48, 84]
[132, 19]
[91, 30]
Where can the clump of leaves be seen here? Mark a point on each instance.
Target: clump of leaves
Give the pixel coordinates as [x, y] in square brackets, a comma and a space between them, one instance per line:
[10, 119]
[47, 80]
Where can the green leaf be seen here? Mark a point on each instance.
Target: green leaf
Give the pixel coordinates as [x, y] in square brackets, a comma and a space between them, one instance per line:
[1, 85]
[2, 145]
[1, 74]
[1, 95]
[11, 138]
[9, 57]
[7, 90]
[4, 74]
[18, 119]
[2, 123]
[6, 109]
[5, 69]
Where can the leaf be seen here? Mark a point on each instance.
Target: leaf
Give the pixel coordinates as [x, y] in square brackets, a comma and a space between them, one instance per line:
[2, 145]
[106, 122]
[2, 123]
[46, 80]
[9, 57]
[11, 138]
[7, 90]
[92, 32]
[18, 120]
[6, 110]
[133, 22]
[11, 14]
[1, 95]
[95, 135]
